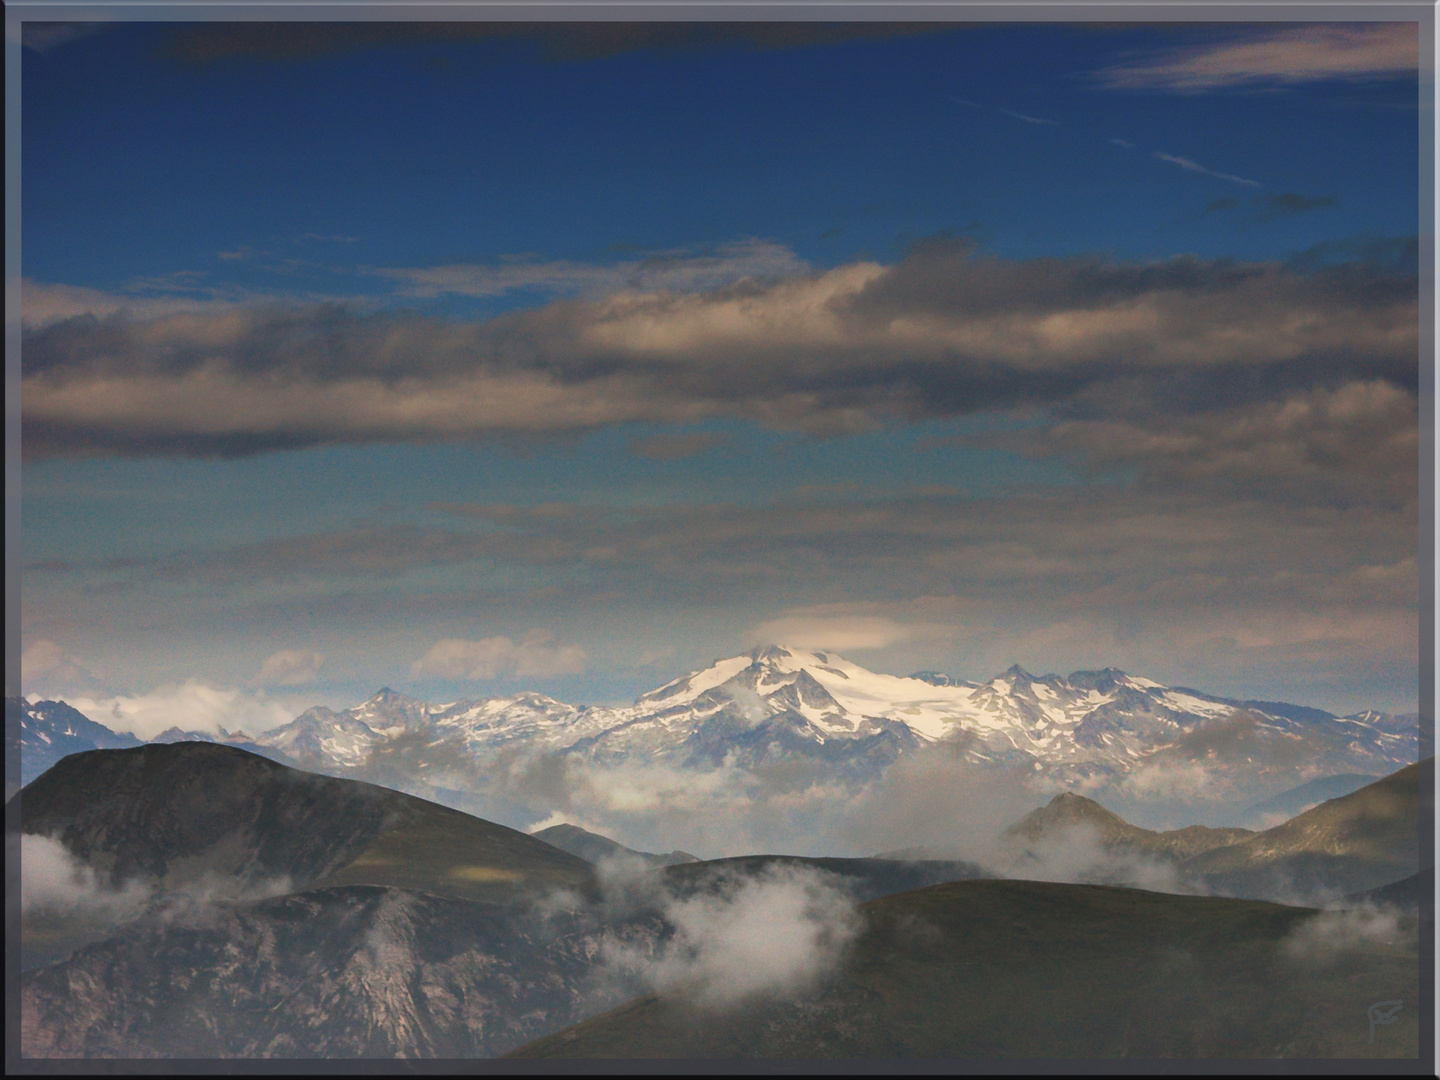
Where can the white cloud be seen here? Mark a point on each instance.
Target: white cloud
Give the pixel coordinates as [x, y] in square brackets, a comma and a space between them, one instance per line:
[1286, 56]
[1331, 934]
[290, 667]
[819, 629]
[47, 668]
[1078, 855]
[53, 879]
[774, 932]
[535, 656]
[1027, 119]
[45, 37]
[191, 706]
[42, 303]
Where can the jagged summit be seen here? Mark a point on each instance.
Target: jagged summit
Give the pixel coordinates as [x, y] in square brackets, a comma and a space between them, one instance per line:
[386, 696]
[778, 702]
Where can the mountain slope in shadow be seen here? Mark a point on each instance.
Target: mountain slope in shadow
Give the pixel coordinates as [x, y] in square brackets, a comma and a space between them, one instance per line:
[1021, 969]
[592, 847]
[351, 971]
[169, 815]
[1360, 841]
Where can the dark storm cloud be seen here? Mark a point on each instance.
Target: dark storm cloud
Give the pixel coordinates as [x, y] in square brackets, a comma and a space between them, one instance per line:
[1358, 443]
[1110, 549]
[945, 332]
[674, 447]
[1392, 255]
[1289, 203]
[1267, 208]
[560, 41]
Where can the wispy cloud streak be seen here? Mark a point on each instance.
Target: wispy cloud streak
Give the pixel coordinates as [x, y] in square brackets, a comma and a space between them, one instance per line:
[1190, 166]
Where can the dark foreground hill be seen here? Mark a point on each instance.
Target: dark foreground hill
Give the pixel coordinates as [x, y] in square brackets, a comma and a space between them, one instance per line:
[857, 879]
[287, 914]
[353, 971]
[169, 815]
[39, 734]
[175, 822]
[1002, 969]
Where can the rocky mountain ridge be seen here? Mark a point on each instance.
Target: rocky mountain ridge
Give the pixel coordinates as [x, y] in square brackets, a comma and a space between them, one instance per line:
[777, 704]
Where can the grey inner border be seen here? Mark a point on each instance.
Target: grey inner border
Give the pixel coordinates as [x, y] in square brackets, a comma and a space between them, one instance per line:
[668, 10]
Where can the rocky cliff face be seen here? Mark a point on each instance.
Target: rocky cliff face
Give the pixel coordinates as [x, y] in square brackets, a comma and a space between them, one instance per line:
[355, 971]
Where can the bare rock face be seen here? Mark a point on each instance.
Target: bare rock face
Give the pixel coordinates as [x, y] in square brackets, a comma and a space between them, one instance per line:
[355, 971]
[293, 915]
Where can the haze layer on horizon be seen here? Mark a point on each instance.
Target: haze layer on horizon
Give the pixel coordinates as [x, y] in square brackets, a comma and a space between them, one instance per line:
[470, 358]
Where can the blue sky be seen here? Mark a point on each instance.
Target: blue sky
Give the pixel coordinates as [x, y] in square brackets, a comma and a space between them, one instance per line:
[947, 348]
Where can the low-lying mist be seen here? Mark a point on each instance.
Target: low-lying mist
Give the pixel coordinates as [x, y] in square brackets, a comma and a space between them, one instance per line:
[54, 882]
[733, 936]
[1078, 855]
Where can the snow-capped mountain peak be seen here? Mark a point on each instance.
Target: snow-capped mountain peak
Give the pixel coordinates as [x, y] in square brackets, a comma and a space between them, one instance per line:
[779, 702]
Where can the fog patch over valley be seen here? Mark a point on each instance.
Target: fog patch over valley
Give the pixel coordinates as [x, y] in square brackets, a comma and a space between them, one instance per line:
[54, 881]
[777, 931]
[929, 797]
[1336, 933]
[1078, 856]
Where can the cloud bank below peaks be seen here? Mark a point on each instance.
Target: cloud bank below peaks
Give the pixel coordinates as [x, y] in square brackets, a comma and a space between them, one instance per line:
[944, 332]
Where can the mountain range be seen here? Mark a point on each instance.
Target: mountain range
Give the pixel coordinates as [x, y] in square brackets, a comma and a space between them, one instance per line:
[289, 914]
[1361, 841]
[777, 704]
